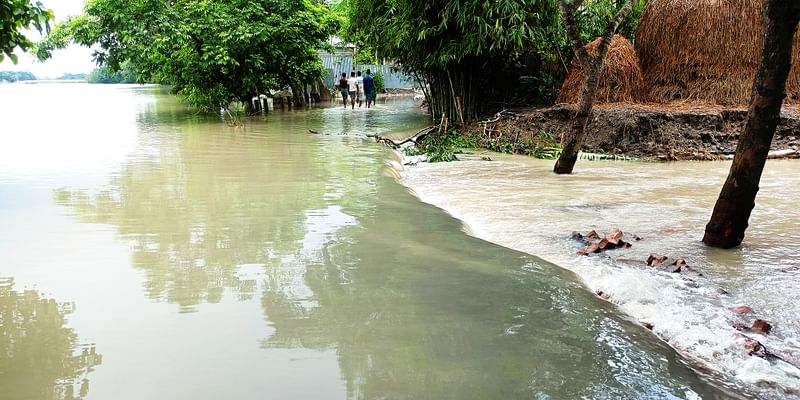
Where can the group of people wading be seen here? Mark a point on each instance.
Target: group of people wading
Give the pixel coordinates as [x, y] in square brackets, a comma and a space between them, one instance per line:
[357, 88]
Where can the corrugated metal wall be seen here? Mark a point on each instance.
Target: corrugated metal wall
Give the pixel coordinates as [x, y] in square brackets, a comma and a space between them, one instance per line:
[341, 60]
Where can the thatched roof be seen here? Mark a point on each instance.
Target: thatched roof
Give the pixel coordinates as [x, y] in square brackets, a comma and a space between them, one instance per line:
[620, 81]
[706, 50]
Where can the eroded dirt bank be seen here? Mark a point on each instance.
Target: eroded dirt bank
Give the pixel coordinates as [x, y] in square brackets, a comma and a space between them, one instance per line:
[671, 132]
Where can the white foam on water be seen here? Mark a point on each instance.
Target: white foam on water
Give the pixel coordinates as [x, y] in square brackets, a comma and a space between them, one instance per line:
[518, 203]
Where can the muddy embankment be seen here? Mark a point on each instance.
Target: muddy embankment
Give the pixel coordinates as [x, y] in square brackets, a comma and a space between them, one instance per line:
[662, 132]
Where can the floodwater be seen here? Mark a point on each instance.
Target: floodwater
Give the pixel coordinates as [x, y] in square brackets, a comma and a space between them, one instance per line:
[519, 203]
[150, 253]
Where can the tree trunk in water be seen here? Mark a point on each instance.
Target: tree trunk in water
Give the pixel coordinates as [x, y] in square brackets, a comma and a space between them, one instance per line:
[572, 141]
[737, 198]
[298, 94]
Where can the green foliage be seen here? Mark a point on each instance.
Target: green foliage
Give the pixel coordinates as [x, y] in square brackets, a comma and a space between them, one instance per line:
[501, 51]
[14, 76]
[380, 84]
[72, 77]
[424, 34]
[444, 147]
[599, 155]
[366, 55]
[594, 16]
[105, 75]
[546, 153]
[17, 16]
[211, 52]
[462, 41]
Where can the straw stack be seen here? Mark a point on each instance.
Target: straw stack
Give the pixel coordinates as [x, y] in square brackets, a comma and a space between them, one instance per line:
[704, 50]
[621, 78]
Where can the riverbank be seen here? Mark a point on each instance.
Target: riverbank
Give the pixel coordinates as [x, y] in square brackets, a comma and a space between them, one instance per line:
[681, 131]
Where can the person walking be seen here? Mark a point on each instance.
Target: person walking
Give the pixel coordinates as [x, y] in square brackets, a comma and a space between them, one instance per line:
[360, 88]
[343, 89]
[352, 85]
[369, 88]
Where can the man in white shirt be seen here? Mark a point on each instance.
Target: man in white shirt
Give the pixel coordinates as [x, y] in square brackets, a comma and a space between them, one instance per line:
[360, 87]
[353, 89]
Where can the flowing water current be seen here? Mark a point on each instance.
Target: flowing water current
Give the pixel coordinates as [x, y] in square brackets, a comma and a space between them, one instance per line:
[519, 203]
[147, 252]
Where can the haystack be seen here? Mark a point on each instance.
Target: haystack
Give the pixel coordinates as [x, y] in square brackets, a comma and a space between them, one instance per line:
[705, 50]
[620, 81]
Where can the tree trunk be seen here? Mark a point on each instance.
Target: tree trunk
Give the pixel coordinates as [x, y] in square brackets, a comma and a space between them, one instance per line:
[572, 141]
[298, 94]
[737, 198]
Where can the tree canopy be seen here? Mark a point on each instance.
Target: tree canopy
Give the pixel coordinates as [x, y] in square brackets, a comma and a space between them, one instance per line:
[211, 52]
[15, 17]
[472, 53]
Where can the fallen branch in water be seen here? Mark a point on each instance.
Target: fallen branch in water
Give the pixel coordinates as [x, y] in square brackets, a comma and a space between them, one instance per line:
[499, 116]
[414, 139]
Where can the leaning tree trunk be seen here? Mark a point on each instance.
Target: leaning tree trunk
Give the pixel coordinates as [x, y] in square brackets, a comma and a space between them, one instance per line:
[737, 198]
[572, 140]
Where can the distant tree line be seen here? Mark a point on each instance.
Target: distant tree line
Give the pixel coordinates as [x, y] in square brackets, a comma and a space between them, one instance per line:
[107, 75]
[14, 76]
[72, 77]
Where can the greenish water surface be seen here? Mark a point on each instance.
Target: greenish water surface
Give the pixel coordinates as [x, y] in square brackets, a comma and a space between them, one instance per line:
[150, 253]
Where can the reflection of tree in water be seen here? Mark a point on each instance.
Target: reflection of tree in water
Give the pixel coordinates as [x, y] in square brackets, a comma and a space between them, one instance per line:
[203, 202]
[413, 312]
[37, 350]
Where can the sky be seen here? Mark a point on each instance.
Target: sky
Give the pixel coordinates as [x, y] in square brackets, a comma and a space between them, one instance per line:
[74, 59]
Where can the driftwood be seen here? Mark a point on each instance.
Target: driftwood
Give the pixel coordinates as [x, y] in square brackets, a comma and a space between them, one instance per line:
[503, 115]
[414, 139]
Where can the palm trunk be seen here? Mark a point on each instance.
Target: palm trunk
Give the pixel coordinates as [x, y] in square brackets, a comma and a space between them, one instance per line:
[737, 198]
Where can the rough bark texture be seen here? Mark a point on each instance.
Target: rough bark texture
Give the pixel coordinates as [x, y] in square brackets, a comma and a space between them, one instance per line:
[298, 94]
[737, 198]
[571, 142]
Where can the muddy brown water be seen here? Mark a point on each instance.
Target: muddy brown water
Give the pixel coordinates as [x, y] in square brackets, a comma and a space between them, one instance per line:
[517, 202]
[150, 253]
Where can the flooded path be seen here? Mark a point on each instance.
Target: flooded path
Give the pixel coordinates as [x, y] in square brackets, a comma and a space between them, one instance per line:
[150, 253]
[519, 203]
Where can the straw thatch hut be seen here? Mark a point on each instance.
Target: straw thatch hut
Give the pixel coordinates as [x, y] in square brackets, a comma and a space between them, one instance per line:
[705, 50]
[621, 78]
